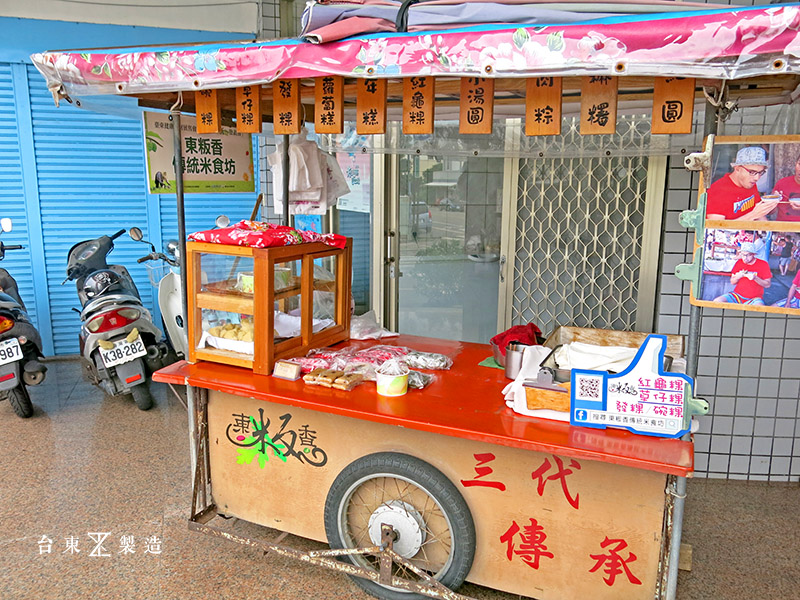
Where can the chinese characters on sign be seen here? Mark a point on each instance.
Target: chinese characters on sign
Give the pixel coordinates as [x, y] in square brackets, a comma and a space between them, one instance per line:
[329, 104]
[254, 440]
[248, 109]
[543, 106]
[615, 565]
[99, 545]
[642, 398]
[673, 105]
[477, 105]
[370, 106]
[598, 104]
[286, 118]
[481, 471]
[418, 97]
[525, 538]
[221, 162]
[208, 111]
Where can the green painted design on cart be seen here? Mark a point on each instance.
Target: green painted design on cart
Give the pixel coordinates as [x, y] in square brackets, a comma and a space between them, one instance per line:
[261, 451]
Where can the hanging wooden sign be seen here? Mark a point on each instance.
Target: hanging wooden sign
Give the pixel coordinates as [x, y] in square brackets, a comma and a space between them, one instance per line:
[286, 117]
[248, 109]
[418, 97]
[370, 106]
[673, 105]
[209, 117]
[329, 104]
[477, 105]
[543, 106]
[598, 104]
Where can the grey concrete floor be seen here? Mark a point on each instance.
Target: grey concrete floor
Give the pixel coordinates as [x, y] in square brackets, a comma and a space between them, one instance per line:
[87, 464]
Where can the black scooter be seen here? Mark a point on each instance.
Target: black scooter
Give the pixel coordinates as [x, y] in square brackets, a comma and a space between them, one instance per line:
[20, 343]
[119, 344]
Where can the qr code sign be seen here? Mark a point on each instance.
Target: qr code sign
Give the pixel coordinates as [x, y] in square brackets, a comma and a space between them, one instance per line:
[589, 387]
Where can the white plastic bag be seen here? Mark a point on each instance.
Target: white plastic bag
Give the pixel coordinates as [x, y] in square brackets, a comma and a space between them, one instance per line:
[366, 327]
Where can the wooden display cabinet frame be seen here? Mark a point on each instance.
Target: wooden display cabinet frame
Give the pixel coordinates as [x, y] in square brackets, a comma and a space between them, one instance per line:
[261, 303]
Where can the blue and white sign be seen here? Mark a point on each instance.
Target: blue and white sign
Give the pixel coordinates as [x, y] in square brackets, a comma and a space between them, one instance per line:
[643, 398]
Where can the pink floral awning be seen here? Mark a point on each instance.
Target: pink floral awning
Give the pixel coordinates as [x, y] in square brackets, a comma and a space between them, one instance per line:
[714, 44]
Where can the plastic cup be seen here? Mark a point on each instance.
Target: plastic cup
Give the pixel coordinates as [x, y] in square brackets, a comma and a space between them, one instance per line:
[392, 385]
[245, 282]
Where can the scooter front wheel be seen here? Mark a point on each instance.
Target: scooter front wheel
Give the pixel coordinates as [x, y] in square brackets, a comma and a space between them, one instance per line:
[20, 401]
[142, 397]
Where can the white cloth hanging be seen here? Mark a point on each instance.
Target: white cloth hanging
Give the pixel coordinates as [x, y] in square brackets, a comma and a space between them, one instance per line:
[316, 180]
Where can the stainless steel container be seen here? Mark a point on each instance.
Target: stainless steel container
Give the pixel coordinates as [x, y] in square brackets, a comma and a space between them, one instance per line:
[514, 352]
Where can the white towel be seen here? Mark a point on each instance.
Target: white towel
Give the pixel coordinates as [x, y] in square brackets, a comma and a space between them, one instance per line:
[578, 355]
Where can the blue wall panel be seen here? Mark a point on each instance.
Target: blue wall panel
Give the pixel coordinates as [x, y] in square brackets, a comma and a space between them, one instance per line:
[357, 226]
[68, 174]
[201, 210]
[12, 196]
[91, 183]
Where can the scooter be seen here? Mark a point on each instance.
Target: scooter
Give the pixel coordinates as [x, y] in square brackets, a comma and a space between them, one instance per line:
[20, 343]
[118, 342]
[166, 278]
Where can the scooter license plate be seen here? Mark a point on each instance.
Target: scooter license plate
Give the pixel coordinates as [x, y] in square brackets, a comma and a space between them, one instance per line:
[10, 351]
[122, 352]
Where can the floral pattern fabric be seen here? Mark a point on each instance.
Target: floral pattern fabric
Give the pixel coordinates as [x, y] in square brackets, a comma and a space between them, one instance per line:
[256, 234]
[719, 44]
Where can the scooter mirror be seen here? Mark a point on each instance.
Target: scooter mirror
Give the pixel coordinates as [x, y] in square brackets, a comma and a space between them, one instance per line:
[222, 221]
[173, 249]
[136, 234]
[5, 224]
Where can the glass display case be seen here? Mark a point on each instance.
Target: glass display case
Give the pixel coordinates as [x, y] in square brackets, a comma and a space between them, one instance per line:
[249, 307]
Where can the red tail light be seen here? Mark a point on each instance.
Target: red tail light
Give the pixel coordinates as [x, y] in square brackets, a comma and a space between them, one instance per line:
[113, 319]
[6, 324]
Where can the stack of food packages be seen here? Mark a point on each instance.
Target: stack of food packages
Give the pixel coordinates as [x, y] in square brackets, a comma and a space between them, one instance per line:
[353, 366]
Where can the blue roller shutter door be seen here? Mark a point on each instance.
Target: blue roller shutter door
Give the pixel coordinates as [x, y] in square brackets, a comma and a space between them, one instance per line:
[91, 183]
[12, 194]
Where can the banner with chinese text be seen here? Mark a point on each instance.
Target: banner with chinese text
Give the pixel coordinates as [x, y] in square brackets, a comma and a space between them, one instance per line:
[211, 163]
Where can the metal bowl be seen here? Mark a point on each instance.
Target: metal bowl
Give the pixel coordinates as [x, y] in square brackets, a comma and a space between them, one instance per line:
[498, 356]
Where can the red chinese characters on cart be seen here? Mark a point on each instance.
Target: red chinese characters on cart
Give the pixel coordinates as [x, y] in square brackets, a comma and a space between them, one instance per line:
[526, 537]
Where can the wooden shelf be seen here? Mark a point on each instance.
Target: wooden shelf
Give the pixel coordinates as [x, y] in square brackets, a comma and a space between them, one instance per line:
[237, 359]
[228, 302]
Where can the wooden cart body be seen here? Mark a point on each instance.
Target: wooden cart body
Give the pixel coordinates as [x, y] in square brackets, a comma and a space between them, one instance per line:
[597, 495]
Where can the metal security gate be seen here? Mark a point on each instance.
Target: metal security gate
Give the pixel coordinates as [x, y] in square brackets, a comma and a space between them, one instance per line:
[585, 241]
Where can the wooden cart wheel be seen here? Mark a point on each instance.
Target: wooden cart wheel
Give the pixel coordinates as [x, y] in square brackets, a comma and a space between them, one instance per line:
[434, 526]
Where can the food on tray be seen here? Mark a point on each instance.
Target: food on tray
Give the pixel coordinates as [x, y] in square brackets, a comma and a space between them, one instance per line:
[348, 382]
[537, 398]
[243, 332]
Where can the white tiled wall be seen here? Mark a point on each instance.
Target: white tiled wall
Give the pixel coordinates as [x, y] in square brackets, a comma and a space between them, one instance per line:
[749, 363]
